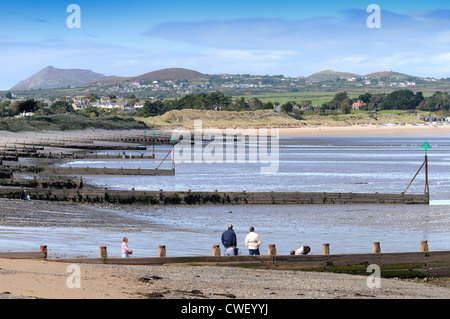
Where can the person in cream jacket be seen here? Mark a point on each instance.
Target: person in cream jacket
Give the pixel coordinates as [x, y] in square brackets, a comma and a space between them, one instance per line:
[252, 242]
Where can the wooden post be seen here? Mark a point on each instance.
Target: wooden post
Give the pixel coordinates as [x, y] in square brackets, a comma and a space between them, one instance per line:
[272, 250]
[43, 249]
[376, 248]
[424, 246]
[103, 253]
[216, 250]
[325, 249]
[161, 251]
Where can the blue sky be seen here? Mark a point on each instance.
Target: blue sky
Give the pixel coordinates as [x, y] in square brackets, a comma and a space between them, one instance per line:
[294, 38]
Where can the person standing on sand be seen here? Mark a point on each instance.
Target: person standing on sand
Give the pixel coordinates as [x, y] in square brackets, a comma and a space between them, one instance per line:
[252, 242]
[229, 238]
[126, 252]
[24, 195]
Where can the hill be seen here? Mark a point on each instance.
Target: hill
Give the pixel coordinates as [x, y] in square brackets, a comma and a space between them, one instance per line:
[328, 75]
[172, 74]
[51, 77]
[388, 74]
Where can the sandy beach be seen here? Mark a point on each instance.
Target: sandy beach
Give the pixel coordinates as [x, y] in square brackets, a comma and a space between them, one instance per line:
[359, 130]
[305, 131]
[56, 280]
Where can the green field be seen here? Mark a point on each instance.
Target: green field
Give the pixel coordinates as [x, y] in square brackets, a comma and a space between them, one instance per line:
[316, 98]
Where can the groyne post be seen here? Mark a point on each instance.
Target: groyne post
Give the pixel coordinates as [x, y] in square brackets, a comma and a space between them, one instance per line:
[216, 250]
[424, 246]
[103, 252]
[43, 249]
[162, 251]
[376, 248]
[272, 250]
[325, 249]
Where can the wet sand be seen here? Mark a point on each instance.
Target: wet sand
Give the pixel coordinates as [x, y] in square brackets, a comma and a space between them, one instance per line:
[56, 280]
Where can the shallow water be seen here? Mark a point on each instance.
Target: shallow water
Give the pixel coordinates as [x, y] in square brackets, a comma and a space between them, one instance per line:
[194, 230]
[359, 165]
[337, 164]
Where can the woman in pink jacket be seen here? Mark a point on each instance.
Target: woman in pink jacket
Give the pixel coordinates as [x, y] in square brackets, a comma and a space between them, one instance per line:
[126, 252]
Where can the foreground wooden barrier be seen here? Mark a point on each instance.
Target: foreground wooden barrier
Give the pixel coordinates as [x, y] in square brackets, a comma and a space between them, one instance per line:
[408, 264]
[405, 264]
[42, 254]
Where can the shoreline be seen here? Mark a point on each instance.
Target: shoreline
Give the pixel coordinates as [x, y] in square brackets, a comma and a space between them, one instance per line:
[359, 130]
[304, 131]
[329, 131]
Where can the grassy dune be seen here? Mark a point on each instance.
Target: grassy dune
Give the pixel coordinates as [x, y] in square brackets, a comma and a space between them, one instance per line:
[267, 118]
[67, 123]
[221, 119]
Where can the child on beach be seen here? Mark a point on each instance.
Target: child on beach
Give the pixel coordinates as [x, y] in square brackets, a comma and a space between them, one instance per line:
[126, 252]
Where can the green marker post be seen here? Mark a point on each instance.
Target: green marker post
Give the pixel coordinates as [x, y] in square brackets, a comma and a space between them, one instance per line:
[426, 146]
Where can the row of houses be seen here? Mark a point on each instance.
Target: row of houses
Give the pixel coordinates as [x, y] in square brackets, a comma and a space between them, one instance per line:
[435, 119]
[122, 106]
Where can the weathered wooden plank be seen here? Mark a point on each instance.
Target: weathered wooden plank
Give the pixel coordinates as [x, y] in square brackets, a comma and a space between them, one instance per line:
[300, 261]
[22, 255]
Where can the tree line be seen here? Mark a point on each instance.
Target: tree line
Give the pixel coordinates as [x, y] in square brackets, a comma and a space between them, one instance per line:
[397, 100]
[341, 103]
[217, 101]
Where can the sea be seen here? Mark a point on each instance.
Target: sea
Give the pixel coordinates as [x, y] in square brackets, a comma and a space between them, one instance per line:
[343, 164]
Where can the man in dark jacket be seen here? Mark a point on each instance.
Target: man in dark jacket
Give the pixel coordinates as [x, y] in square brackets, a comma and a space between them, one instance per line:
[229, 237]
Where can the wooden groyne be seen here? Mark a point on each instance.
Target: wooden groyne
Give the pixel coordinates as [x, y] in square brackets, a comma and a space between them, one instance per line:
[89, 171]
[7, 171]
[423, 263]
[59, 183]
[62, 155]
[213, 198]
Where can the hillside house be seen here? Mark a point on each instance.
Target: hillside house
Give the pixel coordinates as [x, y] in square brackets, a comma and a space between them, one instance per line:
[357, 105]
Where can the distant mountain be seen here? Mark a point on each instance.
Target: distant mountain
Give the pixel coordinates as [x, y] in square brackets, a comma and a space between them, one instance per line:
[329, 75]
[172, 74]
[51, 77]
